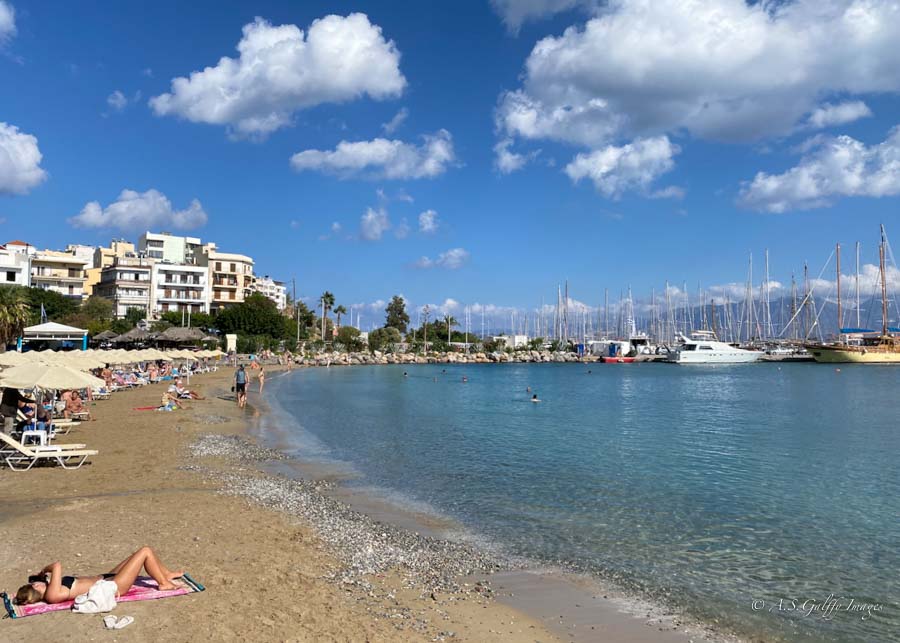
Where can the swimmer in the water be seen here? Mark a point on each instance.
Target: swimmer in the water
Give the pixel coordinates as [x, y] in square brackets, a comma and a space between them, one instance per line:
[405, 374]
[534, 398]
[528, 389]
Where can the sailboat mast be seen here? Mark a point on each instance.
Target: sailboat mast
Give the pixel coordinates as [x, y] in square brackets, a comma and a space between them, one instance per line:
[884, 313]
[793, 307]
[606, 313]
[837, 250]
[768, 326]
[857, 285]
[712, 316]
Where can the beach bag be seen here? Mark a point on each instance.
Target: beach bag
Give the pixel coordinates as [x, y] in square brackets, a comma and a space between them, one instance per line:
[101, 597]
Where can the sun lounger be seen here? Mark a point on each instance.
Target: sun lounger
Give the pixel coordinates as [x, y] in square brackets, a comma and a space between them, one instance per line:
[21, 458]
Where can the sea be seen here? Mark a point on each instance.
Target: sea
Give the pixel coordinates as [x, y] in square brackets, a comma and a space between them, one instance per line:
[764, 498]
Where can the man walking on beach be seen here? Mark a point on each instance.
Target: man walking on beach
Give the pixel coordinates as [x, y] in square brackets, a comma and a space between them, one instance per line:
[240, 385]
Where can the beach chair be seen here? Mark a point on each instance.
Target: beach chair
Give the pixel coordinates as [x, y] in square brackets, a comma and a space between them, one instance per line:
[21, 458]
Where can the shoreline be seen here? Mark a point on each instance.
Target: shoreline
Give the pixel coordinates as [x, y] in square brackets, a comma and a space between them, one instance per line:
[575, 606]
[269, 576]
[178, 503]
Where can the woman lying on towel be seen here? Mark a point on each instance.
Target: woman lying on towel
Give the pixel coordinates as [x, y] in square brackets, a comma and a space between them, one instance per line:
[51, 586]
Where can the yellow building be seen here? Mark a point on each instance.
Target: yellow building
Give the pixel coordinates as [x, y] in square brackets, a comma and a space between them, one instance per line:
[230, 276]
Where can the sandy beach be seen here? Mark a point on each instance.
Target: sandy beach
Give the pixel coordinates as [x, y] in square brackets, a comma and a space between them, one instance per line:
[269, 575]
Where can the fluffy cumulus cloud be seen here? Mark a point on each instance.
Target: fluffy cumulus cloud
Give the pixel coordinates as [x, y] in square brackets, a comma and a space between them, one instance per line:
[453, 259]
[373, 224]
[507, 161]
[392, 125]
[516, 12]
[117, 101]
[20, 161]
[281, 69]
[832, 167]
[614, 170]
[382, 158]
[719, 69]
[134, 211]
[829, 115]
[7, 21]
[428, 222]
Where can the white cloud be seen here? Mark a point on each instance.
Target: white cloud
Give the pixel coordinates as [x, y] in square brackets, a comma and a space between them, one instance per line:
[134, 211]
[615, 170]
[334, 230]
[382, 158]
[148, 72]
[451, 260]
[295, 225]
[428, 222]
[117, 101]
[281, 70]
[391, 126]
[373, 224]
[7, 22]
[668, 192]
[829, 115]
[833, 167]
[402, 230]
[508, 162]
[719, 69]
[516, 12]
[20, 161]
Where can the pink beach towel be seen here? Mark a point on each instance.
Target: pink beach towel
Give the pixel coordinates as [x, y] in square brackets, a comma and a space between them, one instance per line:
[144, 589]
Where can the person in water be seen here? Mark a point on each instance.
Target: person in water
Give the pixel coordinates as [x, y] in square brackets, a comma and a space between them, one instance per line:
[51, 586]
[534, 398]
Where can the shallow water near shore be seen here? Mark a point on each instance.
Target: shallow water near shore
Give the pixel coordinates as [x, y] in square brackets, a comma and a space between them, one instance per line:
[745, 495]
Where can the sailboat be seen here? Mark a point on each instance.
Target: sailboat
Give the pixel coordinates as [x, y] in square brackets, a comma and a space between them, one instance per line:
[873, 348]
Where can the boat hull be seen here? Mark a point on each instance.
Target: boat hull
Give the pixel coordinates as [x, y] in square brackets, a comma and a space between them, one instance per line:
[853, 355]
[713, 357]
[618, 360]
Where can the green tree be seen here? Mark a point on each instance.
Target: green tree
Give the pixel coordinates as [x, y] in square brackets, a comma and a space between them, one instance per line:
[348, 337]
[536, 344]
[55, 305]
[385, 338]
[14, 313]
[396, 314]
[326, 301]
[340, 310]
[133, 315]
[257, 315]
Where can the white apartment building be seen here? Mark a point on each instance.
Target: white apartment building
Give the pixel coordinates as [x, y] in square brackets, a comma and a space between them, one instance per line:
[15, 267]
[126, 284]
[61, 272]
[274, 290]
[168, 247]
[231, 276]
[176, 287]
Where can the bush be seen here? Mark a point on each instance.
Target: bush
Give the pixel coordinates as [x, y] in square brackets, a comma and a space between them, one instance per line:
[384, 339]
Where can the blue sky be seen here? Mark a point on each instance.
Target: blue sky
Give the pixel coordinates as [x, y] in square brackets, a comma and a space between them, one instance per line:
[636, 133]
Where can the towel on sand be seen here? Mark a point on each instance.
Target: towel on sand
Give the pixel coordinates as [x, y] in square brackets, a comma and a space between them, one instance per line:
[144, 589]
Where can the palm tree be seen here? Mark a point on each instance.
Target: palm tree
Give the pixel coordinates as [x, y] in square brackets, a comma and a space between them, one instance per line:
[327, 303]
[14, 314]
[340, 310]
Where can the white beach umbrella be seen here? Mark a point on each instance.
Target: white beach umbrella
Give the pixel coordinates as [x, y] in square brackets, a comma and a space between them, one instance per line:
[47, 376]
[12, 358]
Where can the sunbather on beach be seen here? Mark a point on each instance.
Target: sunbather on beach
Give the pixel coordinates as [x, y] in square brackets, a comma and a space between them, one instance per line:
[50, 586]
[74, 406]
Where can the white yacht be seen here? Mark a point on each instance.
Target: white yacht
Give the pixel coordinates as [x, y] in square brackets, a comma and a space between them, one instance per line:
[705, 348]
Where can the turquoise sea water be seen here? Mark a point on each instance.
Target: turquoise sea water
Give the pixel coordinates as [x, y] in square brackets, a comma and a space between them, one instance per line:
[765, 497]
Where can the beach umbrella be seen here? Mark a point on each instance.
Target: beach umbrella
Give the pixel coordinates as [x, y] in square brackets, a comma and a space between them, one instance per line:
[47, 376]
[185, 335]
[12, 358]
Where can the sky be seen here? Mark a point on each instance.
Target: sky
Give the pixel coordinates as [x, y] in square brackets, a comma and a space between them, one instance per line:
[459, 153]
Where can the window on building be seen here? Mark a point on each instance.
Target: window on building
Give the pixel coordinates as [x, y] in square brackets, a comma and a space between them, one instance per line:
[233, 268]
[218, 266]
[10, 275]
